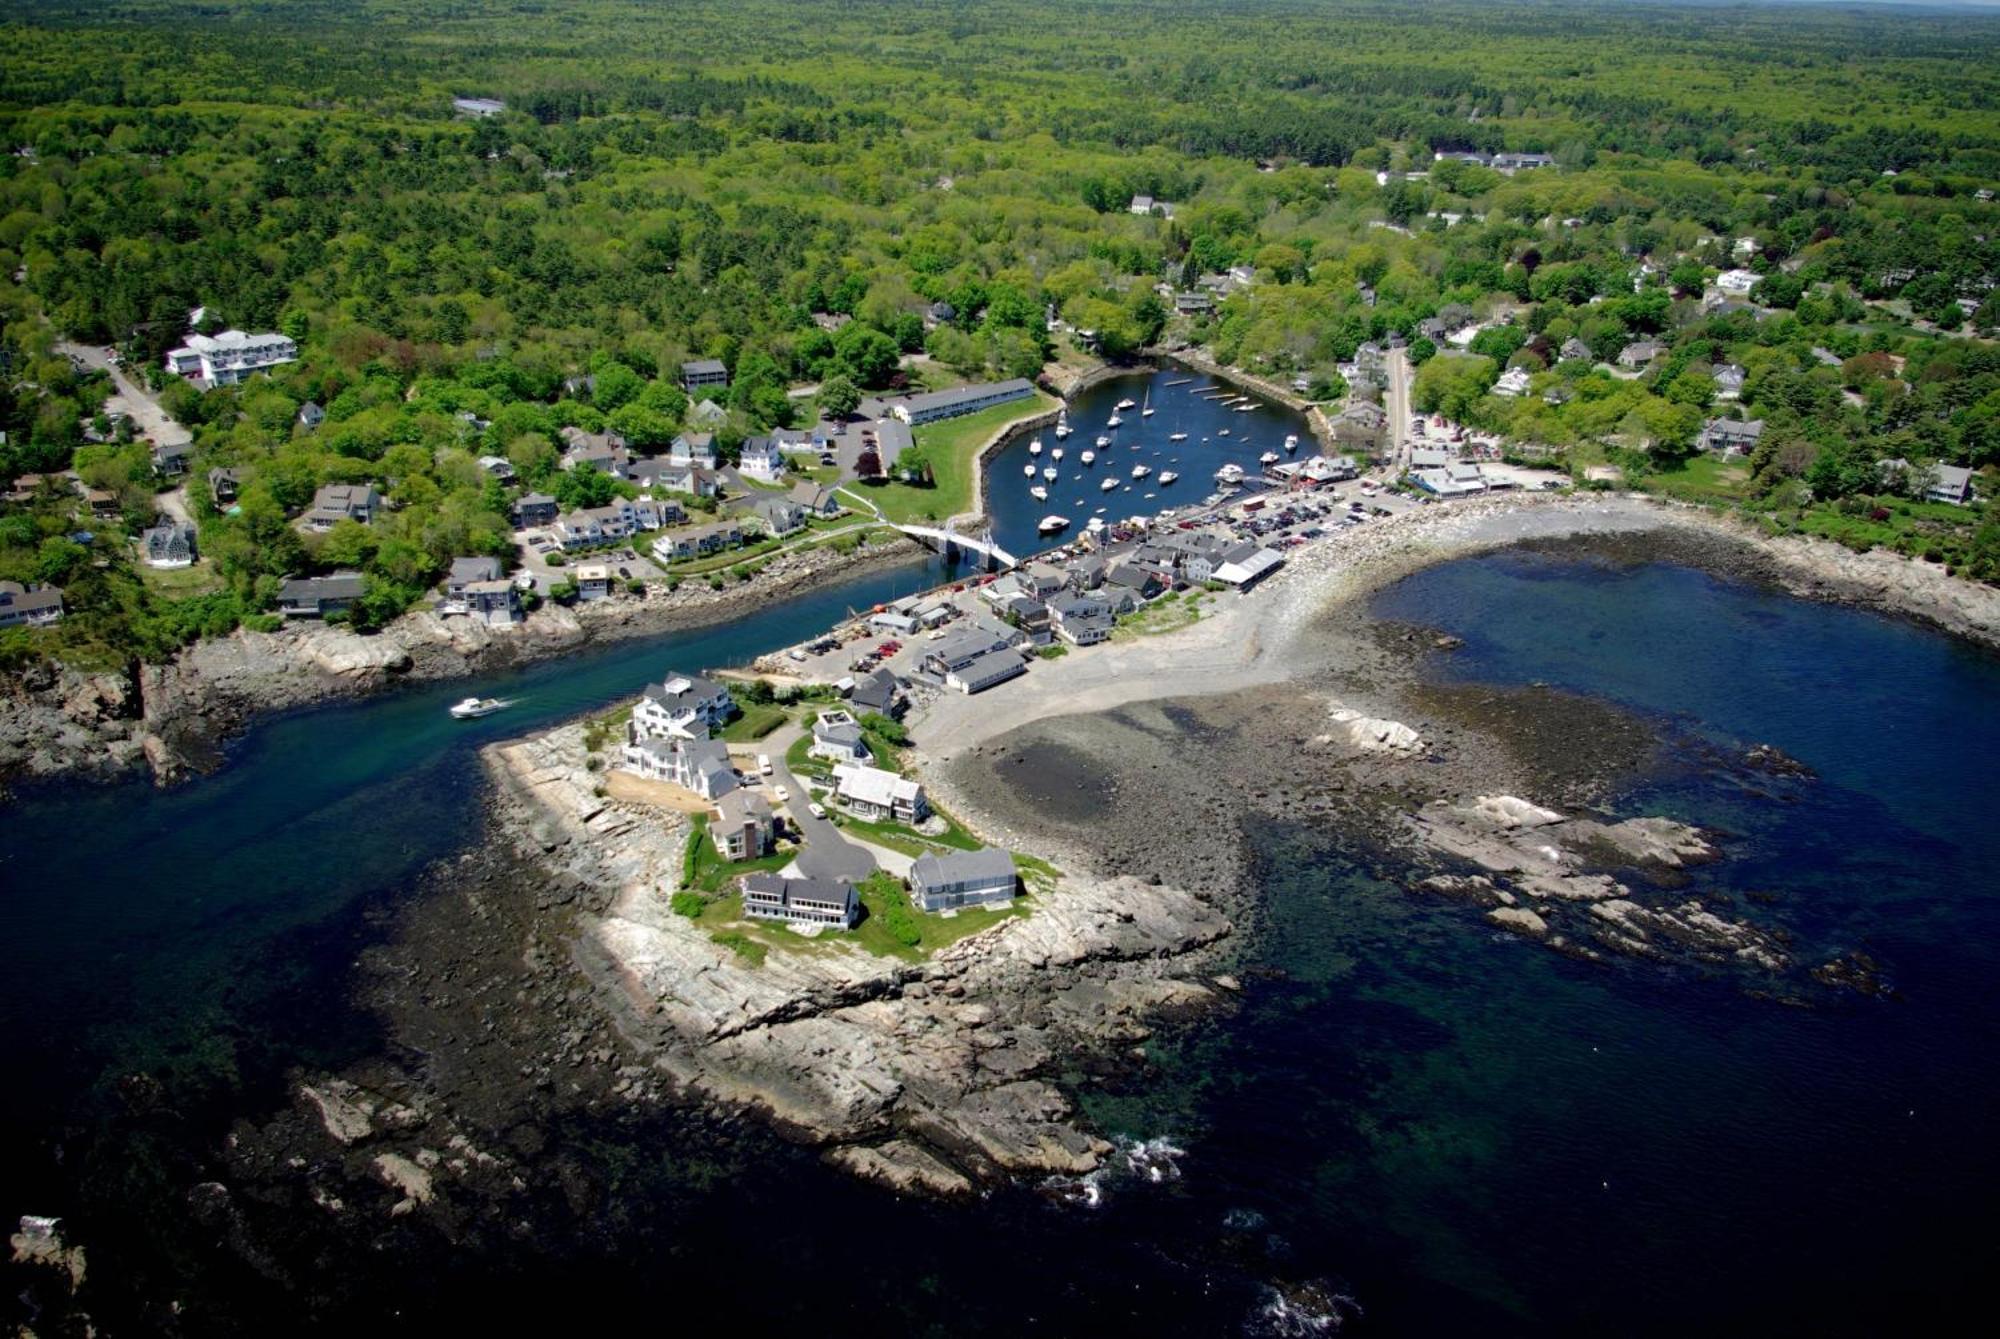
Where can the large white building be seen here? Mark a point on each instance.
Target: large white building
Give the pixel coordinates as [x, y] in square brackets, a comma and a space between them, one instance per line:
[227, 358]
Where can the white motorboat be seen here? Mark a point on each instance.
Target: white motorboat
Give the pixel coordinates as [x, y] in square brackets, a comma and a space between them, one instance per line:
[1056, 454]
[1028, 470]
[1167, 477]
[1035, 447]
[1113, 421]
[1050, 474]
[1087, 457]
[1177, 437]
[1126, 404]
[1229, 474]
[1245, 408]
[1141, 471]
[1039, 493]
[1291, 442]
[472, 708]
[1107, 485]
[1053, 524]
[1103, 442]
[1222, 432]
[1269, 458]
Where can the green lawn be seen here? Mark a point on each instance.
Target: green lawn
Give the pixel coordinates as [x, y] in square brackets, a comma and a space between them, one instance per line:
[950, 447]
[756, 720]
[1172, 611]
[181, 582]
[1702, 478]
[889, 922]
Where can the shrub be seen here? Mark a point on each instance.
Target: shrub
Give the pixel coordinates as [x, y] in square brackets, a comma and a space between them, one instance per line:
[688, 904]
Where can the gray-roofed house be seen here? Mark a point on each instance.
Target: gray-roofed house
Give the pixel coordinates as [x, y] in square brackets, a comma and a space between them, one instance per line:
[1731, 436]
[761, 459]
[33, 606]
[873, 793]
[694, 448]
[700, 765]
[934, 405]
[335, 503]
[666, 708]
[742, 826]
[311, 415]
[1640, 353]
[169, 544]
[1574, 349]
[780, 515]
[880, 692]
[224, 484]
[171, 461]
[817, 499]
[952, 879]
[316, 597]
[703, 372]
[836, 736]
[962, 646]
[803, 903]
[995, 667]
[1247, 564]
[535, 509]
[1143, 580]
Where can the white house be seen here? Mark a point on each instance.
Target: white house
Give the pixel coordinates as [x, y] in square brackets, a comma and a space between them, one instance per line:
[761, 460]
[676, 706]
[227, 358]
[873, 793]
[1512, 382]
[836, 736]
[700, 765]
[1737, 283]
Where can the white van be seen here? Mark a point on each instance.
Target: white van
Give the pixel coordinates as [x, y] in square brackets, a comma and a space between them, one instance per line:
[763, 764]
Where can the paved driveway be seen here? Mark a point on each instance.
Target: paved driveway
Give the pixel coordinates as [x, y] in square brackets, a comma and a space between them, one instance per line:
[131, 398]
[827, 854]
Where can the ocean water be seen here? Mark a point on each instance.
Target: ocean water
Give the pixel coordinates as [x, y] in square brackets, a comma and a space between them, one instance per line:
[1078, 492]
[1456, 1131]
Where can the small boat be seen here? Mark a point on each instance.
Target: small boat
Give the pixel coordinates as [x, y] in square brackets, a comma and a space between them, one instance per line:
[1245, 408]
[1062, 428]
[1291, 442]
[1056, 454]
[1230, 474]
[1113, 421]
[1028, 470]
[1035, 447]
[1177, 437]
[1167, 477]
[1269, 458]
[1103, 442]
[1126, 404]
[1107, 485]
[474, 707]
[1053, 524]
[1100, 511]
[1087, 457]
[1223, 432]
[1146, 409]
[1050, 474]
[1141, 471]
[1039, 493]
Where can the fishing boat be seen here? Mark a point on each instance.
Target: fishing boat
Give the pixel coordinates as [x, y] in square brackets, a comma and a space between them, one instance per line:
[1167, 477]
[1177, 437]
[1126, 404]
[1113, 421]
[1107, 485]
[1035, 447]
[1053, 524]
[1141, 471]
[1291, 442]
[1087, 457]
[1039, 493]
[1028, 470]
[1269, 458]
[1056, 454]
[1229, 474]
[1050, 474]
[474, 707]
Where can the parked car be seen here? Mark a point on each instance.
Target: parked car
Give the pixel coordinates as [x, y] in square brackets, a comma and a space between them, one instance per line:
[781, 793]
[816, 810]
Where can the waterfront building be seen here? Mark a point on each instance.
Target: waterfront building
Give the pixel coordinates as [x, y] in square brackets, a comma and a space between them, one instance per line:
[803, 903]
[948, 880]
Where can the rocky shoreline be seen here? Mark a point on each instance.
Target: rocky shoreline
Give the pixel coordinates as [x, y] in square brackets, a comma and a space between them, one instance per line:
[173, 718]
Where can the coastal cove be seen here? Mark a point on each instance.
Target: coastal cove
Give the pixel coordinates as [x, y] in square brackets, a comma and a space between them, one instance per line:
[1279, 1161]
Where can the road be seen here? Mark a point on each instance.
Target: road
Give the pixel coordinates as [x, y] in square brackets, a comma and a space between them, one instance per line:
[131, 398]
[827, 854]
[1398, 363]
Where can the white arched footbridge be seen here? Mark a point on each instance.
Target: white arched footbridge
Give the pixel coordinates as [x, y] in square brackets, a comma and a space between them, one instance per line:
[944, 541]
